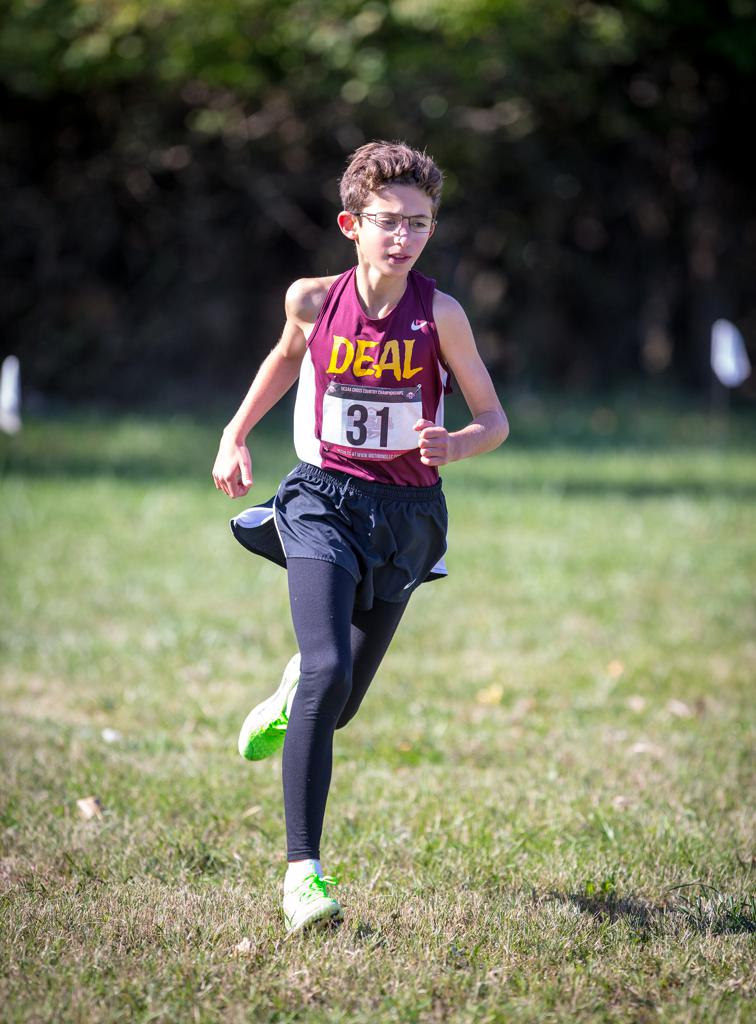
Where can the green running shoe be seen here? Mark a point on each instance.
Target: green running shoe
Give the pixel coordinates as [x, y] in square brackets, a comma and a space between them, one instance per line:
[307, 904]
[264, 729]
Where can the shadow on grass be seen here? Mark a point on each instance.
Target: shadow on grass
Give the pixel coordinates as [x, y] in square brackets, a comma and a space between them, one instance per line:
[272, 458]
[134, 449]
[709, 911]
[278, 461]
[627, 488]
[573, 461]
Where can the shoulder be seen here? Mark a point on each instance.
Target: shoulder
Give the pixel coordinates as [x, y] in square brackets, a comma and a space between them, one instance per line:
[305, 296]
[447, 312]
[455, 334]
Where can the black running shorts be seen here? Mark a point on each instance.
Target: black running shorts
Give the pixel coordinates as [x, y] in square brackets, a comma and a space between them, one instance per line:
[391, 539]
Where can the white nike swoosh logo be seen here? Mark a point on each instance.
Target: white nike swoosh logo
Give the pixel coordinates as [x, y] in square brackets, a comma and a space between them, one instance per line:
[417, 325]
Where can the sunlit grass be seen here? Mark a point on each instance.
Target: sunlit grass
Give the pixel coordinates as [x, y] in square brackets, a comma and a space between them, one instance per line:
[542, 812]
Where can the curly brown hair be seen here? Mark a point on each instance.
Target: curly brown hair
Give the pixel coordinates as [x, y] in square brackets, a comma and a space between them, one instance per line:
[380, 163]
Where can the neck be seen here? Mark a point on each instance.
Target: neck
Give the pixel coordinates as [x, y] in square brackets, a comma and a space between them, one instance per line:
[378, 294]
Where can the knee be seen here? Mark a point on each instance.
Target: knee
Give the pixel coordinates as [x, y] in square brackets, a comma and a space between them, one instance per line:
[325, 683]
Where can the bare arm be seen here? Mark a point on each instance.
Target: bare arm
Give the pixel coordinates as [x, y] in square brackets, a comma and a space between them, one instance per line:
[489, 427]
[232, 472]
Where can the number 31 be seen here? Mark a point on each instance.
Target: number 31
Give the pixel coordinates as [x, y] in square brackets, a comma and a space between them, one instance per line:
[357, 433]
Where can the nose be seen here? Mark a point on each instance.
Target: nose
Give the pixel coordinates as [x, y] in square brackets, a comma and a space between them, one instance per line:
[402, 228]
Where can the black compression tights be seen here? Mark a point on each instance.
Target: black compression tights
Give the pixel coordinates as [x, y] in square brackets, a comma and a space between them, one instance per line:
[341, 650]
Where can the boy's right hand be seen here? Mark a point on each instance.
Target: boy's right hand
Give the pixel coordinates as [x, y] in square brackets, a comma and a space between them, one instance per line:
[232, 472]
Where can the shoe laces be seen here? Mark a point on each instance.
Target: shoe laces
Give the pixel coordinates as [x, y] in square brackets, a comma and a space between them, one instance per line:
[313, 885]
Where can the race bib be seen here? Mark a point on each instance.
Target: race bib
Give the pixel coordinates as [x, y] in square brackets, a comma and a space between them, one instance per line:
[370, 423]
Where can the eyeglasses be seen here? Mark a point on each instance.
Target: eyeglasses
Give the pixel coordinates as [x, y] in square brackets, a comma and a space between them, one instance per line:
[393, 221]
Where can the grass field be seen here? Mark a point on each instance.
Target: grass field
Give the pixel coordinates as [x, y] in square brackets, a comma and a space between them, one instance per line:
[561, 829]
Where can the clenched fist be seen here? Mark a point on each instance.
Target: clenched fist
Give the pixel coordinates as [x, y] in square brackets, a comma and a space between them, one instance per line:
[436, 444]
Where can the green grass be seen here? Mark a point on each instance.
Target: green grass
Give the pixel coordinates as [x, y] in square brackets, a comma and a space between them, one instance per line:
[542, 812]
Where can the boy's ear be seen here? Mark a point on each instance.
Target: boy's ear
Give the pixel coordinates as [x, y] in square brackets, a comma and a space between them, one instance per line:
[348, 224]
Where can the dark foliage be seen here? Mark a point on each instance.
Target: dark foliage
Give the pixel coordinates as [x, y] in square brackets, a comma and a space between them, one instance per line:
[167, 171]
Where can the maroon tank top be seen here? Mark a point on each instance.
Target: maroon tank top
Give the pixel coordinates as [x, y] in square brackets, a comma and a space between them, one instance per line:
[364, 382]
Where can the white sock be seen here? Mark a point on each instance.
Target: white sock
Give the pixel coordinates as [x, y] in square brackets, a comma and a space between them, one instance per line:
[297, 871]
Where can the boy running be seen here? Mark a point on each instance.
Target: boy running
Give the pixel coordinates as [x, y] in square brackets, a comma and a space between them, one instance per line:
[361, 522]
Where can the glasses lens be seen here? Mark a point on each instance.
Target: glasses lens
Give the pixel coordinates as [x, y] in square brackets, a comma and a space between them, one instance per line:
[389, 221]
[392, 221]
[420, 223]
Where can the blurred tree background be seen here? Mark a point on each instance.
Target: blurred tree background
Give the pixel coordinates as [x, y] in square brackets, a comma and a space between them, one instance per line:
[169, 166]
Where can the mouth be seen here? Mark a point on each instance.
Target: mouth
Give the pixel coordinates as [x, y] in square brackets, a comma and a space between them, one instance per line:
[398, 257]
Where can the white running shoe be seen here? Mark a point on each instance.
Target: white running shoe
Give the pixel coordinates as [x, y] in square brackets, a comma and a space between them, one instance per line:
[264, 729]
[306, 903]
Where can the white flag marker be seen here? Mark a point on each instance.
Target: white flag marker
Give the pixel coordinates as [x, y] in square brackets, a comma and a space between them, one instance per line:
[10, 396]
[729, 359]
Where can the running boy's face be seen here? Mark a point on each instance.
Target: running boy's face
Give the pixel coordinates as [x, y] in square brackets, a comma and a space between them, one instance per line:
[393, 252]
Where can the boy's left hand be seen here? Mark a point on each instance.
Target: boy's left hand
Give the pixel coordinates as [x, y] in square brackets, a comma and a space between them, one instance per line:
[435, 444]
